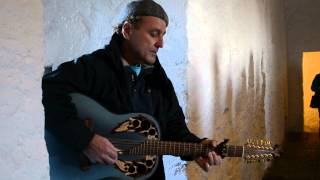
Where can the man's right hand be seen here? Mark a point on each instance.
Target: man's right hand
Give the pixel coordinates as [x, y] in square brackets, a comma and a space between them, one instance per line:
[100, 150]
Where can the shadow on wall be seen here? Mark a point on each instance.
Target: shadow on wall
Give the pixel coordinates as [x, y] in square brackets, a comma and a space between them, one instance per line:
[239, 115]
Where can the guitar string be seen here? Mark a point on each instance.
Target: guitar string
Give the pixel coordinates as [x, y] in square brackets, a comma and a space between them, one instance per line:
[164, 147]
[154, 145]
[160, 143]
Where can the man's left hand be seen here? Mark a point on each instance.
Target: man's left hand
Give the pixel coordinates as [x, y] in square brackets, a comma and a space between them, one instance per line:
[210, 159]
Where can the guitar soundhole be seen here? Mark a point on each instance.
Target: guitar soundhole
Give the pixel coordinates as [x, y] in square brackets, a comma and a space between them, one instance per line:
[141, 169]
[152, 132]
[135, 123]
[131, 169]
[149, 163]
[145, 125]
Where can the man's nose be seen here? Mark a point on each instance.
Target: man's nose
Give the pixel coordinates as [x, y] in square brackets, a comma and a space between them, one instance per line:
[159, 43]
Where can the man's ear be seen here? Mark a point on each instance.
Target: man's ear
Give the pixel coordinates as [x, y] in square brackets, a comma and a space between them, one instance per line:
[127, 30]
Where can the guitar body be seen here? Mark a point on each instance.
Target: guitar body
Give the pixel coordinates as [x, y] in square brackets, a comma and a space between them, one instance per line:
[135, 127]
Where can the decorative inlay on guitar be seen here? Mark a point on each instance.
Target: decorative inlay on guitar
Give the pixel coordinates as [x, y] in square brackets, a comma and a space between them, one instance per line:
[137, 136]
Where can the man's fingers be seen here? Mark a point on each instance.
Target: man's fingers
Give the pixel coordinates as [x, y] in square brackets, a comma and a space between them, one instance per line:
[108, 160]
[214, 143]
[92, 156]
[207, 166]
[216, 159]
[112, 153]
[210, 158]
[202, 162]
[101, 150]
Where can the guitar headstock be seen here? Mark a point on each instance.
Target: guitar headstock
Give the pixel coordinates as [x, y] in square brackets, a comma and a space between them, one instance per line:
[260, 150]
[252, 151]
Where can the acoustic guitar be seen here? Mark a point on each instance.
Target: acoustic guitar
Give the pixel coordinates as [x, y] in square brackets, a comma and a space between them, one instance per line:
[137, 135]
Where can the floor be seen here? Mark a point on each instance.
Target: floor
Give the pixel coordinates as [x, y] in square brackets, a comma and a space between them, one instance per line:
[300, 159]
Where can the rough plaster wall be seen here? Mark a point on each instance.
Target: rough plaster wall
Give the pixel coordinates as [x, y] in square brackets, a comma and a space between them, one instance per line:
[303, 29]
[237, 85]
[23, 153]
[75, 27]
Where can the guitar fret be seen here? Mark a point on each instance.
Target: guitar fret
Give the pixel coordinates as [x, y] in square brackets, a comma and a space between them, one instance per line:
[242, 151]
[182, 148]
[136, 149]
[194, 150]
[144, 147]
[178, 150]
[156, 147]
[133, 150]
[227, 150]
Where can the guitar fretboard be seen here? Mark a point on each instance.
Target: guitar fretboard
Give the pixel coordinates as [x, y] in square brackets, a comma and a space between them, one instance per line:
[155, 147]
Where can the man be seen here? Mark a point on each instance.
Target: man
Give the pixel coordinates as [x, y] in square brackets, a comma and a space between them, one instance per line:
[125, 76]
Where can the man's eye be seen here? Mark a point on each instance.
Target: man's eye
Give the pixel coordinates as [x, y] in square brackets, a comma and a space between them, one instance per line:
[154, 34]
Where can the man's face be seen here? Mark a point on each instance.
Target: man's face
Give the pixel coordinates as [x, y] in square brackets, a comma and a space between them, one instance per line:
[146, 39]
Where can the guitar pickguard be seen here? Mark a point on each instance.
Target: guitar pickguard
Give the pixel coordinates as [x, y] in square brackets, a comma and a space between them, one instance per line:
[137, 168]
[138, 124]
[141, 125]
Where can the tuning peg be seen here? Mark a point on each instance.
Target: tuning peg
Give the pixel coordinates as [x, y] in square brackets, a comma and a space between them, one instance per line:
[249, 161]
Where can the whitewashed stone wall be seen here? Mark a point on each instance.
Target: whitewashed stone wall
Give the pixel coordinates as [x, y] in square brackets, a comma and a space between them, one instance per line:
[237, 77]
[236, 56]
[303, 35]
[23, 153]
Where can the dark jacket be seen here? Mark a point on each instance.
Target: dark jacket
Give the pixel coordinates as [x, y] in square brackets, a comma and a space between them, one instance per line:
[102, 76]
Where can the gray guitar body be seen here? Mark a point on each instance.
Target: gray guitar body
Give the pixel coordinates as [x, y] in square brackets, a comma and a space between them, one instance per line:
[65, 163]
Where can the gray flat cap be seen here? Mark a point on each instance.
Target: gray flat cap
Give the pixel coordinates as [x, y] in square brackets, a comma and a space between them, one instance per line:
[144, 8]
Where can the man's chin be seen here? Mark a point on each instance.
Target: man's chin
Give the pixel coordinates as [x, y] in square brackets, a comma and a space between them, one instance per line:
[150, 61]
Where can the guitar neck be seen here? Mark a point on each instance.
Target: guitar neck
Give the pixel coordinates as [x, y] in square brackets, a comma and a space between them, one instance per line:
[155, 147]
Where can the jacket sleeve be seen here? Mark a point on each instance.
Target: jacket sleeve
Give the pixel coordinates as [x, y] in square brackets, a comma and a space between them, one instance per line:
[176, 129]
[60, 113]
